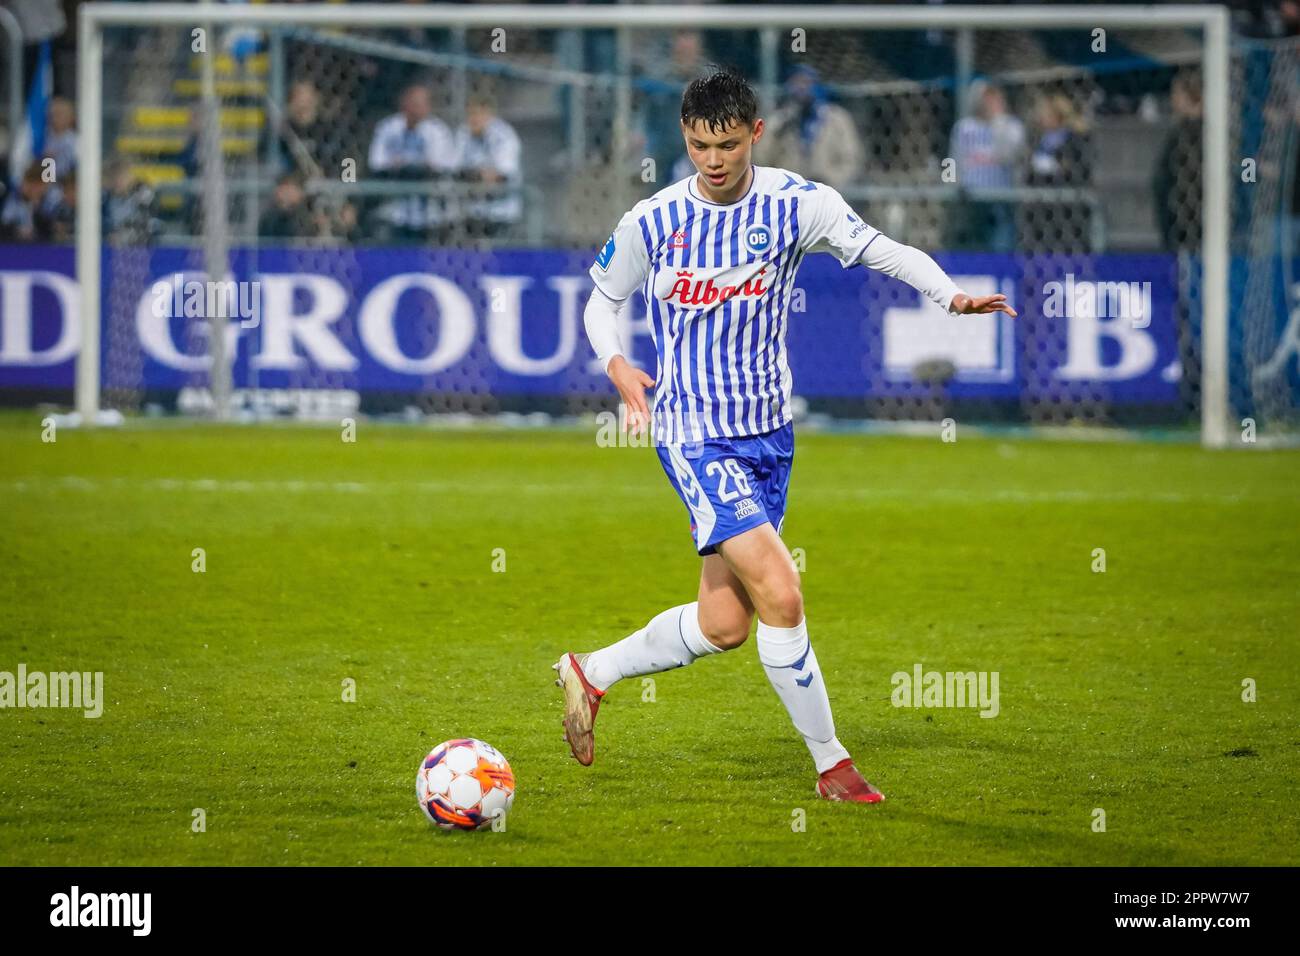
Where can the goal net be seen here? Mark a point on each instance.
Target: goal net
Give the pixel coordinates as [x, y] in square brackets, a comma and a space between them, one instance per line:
[340, 209]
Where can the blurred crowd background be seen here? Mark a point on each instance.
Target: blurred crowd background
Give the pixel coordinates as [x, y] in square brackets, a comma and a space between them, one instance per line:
[991, 140]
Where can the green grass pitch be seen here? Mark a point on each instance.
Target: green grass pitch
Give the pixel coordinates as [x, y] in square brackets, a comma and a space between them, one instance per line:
[373, 561]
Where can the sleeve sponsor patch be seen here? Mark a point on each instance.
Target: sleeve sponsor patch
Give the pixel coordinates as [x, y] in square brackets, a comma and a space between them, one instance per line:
[606, 254]
[857, 226]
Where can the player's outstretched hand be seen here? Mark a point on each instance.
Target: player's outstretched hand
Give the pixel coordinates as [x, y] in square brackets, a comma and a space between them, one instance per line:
[631, 383]
[962, 304]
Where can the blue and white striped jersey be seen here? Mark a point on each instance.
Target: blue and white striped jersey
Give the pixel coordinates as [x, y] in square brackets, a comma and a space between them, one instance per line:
[718, 281]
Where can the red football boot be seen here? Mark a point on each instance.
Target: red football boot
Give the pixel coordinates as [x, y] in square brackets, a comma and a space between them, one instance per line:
[581, 701]
[844, 782]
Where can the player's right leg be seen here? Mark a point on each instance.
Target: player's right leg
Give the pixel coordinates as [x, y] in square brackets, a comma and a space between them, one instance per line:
[761, 561]
[719, 620]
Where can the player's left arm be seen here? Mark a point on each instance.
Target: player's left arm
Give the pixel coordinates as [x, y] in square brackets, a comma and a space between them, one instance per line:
[923, 274]
[828, 224]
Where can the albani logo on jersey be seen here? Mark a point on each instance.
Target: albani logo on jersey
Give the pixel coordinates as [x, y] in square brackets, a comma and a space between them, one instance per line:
[687, 289]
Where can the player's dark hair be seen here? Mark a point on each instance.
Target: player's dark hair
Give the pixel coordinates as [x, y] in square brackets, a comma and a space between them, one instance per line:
[719, 99]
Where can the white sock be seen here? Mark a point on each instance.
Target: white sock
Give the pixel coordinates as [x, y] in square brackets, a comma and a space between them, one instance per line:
[791, 665]
[672, 639]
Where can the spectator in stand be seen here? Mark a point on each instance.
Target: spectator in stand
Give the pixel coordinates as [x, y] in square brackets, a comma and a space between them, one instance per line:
[1177, 182]
[307, 141]
[814, 137]
[61, 135]
[1176, 185]
[488, 153]
[987, 145]
[1061, 158]
[289, 216]
[129, 216]
[63, 218]
[988, 142]
[345, 223]
[28, 212]
[661, 106]
[412, 144]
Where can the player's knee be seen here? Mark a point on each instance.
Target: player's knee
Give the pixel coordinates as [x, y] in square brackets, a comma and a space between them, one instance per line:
[728, 634]
[785, 604]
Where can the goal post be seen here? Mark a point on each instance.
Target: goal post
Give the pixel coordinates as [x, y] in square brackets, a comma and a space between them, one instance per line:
[1215, 424]
[90, 71]
[767, 23]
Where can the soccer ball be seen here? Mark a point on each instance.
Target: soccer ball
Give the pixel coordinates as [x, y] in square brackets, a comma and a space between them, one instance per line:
[465, 784]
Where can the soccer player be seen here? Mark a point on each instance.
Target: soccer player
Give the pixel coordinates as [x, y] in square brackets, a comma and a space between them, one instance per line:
[715, 257]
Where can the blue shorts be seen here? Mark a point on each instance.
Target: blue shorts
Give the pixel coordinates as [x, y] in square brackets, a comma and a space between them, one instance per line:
[730, 485]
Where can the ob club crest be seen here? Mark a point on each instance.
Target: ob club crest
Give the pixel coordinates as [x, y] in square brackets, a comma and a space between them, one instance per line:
[758, 238]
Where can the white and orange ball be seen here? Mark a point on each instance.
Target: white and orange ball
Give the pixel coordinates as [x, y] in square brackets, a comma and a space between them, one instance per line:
[465, 784]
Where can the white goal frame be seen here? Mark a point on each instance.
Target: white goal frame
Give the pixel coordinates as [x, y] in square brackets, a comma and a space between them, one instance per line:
[1211, 20]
